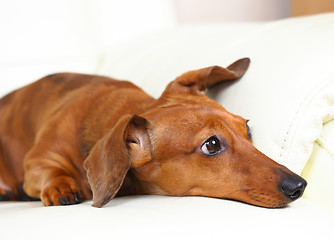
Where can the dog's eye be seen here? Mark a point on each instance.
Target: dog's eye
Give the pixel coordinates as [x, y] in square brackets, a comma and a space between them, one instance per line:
[249, 134]
[211, 146]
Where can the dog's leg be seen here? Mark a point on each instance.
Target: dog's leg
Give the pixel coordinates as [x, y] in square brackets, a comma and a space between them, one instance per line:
[61, 190]
[7, 180]
[50, 177]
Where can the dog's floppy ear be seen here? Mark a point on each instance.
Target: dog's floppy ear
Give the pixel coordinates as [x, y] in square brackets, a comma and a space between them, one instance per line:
[197, 81]
[126, 145]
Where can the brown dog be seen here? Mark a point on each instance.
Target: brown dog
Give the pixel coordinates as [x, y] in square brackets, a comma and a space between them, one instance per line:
[70, 137]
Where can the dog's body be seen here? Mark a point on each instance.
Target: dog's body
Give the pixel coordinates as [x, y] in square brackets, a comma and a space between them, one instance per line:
[70, 137]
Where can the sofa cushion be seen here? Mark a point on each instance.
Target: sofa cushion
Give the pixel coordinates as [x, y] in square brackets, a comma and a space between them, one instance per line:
[319, 169]
[161, 217]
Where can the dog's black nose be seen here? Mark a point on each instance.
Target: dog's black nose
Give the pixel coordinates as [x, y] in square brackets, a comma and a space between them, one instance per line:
[293, 187]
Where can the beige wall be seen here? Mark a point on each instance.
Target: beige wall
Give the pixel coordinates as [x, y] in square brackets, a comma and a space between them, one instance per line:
[304, 7]
[195, 11]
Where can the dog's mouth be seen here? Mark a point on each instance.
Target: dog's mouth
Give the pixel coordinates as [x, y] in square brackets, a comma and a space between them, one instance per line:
[275, 193]
[264, 199]
[259, 197]
[289, 190]
[256, 197]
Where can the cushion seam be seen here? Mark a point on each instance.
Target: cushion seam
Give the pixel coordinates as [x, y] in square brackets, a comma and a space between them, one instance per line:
[325, 145]
[305, 103]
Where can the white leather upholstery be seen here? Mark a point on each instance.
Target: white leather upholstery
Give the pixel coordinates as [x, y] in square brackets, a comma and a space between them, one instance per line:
[160, 217]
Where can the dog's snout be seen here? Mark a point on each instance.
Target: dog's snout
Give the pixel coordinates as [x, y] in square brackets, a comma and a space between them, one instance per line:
[293, 187]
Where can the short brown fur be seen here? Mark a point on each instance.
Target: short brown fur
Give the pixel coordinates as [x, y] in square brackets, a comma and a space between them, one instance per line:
[71, 137]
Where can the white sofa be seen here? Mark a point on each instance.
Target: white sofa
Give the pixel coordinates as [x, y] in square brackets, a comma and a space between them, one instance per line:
[288, 93]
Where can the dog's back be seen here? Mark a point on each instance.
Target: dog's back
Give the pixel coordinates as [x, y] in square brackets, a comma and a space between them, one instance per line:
[58, 101]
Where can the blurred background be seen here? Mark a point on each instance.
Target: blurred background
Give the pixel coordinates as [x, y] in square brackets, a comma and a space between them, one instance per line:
[43, 36]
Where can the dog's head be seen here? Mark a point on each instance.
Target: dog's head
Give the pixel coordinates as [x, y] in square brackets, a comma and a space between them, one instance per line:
[188, 144]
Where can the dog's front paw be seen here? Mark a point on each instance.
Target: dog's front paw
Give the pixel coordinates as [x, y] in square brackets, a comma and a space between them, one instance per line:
[6, 195]
[61, 191]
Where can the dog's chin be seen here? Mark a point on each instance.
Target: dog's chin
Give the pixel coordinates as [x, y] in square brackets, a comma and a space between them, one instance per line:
[261, 198]
[275, 204]
[266, 202]
[254, 200]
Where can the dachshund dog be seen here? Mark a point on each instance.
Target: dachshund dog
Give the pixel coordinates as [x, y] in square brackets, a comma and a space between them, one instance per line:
[72, 137]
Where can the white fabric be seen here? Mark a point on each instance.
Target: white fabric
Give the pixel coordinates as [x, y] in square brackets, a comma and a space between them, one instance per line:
[160, 217]
[287, 93]
[319, 169]
[41, 37]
